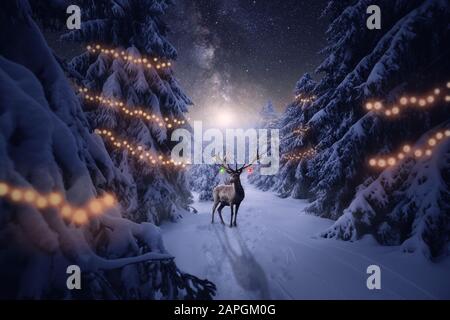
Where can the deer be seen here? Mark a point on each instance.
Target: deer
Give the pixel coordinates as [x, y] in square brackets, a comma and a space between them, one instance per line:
[230, 194]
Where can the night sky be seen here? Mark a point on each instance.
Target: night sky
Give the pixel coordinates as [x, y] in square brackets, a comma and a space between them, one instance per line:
[235, 55]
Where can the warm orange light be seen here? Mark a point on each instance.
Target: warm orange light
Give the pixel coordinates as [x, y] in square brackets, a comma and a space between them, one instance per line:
[369, 106]
[422, 102]
[4, 189]
[418, 153]
[80, 216]
[29, 196]
[395, 110]
[382, 163]
[447, 133]
[55, 199]
[95, 207]
[109, 200]
[413, 100]
[378, 105]
[16, 195]
[439, 135]
[391, 161]
[41, 202]
[400, 156]
[403, 100]
[406, 148]
[428, 152]
[430, 99]
[66, 211]
[432, 142]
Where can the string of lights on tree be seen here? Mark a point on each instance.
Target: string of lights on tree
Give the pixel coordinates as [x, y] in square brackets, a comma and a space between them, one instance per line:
[300, 155]
[128, 111]
[137, 151]
[408, 151]
[76, 214]
[146, 62]
[301, 130]
[304, 98]
[409, 101]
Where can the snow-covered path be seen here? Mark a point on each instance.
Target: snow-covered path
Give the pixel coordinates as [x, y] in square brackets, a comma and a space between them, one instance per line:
[274, 254]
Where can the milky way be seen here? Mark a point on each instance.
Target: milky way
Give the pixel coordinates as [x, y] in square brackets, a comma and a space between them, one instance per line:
[236, 55]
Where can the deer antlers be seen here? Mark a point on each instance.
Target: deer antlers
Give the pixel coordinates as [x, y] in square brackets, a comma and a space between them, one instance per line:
[230, 170]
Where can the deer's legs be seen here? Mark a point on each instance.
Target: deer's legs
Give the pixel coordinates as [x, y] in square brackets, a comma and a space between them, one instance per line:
[220, 212]
[213, 210]
[235, 214]
[232, 213]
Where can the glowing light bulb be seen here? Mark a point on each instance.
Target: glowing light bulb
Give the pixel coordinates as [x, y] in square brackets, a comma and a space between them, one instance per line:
[422, 102]
[16, 195]
[4, 189]
[447, 133]
[430, 99]
[55, 199]
[403, 100]
[29, 196]
[418, 153]
[439, 135]
[66, 211]
[80, 216]
[382, 163]
[428, 152]
[400, 156]
[413, 100]
[432, 142]
[388, 113]
[406, 148]
[395, 110]
[437, 91]
[109, 200]
[378, 105]
[372, 162]
[95, 207]
[391, 161]
[41, 202]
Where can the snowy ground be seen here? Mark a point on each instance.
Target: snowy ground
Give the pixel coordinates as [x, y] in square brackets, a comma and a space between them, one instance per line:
[274, 254]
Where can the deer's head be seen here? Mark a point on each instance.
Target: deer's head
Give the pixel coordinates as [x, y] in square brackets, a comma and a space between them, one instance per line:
[236, 172]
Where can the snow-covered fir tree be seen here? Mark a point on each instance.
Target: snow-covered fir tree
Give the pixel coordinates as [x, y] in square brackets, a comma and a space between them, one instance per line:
[46, 146]
[203, 178]
[268, 118]
[407, 203]
[142, 81]
[294, 147]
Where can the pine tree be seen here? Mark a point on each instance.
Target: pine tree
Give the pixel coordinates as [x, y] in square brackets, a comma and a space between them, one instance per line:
[407, 56]
[294, 147]
[203, 178]
[268, 119]
[142, 81]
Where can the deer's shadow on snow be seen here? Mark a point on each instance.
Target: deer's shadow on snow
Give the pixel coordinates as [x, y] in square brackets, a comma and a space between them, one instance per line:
[247, 271]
